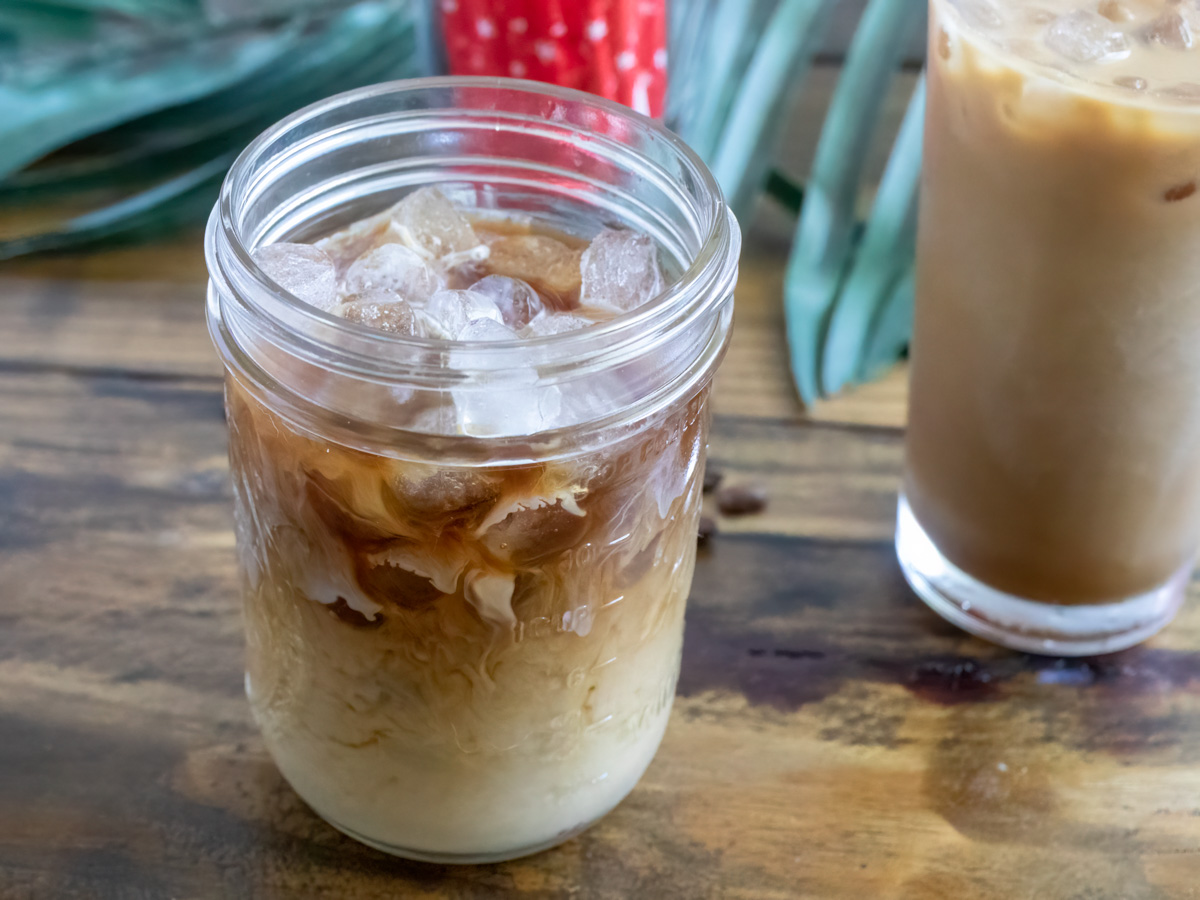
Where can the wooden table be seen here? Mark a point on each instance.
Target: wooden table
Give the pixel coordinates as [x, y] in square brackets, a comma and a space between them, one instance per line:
[831, 737]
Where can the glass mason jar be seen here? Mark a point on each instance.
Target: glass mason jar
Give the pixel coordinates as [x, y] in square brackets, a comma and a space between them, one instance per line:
[465, 565]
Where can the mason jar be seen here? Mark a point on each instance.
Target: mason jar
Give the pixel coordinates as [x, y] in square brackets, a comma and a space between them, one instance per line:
[465, 566]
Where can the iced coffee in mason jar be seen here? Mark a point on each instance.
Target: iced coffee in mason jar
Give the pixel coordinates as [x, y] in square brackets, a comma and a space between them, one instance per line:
[1052, 490]
[469, 329]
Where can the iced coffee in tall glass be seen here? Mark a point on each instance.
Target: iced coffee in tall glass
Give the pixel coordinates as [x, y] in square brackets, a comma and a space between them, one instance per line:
[1052, 491]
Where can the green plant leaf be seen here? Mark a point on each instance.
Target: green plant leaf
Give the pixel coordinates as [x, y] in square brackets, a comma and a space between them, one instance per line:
[785, 192]
[893, 329]
[156, 205]
[158, 157]
[326, 63]
[138, 9]
[727, 37]
[822, 245]
[23, 23]
[886, 249]
[34, 122]
[356, 38]
[784, 54]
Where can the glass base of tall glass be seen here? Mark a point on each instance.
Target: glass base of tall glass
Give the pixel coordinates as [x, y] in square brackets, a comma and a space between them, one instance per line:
[1032, 626]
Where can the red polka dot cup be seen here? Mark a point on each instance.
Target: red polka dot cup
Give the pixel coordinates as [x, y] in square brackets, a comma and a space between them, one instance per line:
[614, 48]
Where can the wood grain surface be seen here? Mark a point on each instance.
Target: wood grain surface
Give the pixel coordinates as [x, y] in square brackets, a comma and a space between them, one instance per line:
[830, 738]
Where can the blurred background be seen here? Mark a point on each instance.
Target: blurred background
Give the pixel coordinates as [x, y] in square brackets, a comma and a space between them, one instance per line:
[119, 118]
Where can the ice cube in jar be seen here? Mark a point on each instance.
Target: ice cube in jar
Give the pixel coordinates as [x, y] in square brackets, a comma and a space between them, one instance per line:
[434, 227]
[381, 310]
[391, 272]
[518, 303]
[392, 267]
[301, 269]
[620, 270]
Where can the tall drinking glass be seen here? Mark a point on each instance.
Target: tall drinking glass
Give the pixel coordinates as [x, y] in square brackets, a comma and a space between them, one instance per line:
[1052, 488]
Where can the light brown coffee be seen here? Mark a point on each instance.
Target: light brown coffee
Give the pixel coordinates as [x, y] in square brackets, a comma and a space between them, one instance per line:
[1054, 437]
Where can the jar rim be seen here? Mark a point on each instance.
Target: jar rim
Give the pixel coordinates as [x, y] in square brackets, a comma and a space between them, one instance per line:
[356, 351]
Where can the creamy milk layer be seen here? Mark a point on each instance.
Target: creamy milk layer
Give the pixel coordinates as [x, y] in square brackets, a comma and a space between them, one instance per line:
[488, 776]
[464, 661]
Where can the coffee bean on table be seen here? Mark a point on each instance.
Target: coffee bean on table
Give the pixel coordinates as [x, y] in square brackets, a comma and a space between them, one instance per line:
[741, 499]
[712, 478]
